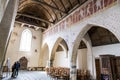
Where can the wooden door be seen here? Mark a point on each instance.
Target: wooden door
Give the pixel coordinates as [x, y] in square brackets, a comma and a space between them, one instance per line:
[23, 63]
[98, 73]
[118, 67]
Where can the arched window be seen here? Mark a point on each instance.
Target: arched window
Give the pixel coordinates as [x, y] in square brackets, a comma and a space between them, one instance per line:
[25, 43]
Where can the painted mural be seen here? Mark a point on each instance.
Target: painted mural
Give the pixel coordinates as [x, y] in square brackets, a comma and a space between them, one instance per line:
[88, 9]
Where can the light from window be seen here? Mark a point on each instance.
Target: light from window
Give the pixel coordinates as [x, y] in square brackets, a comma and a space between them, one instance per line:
[25, 43]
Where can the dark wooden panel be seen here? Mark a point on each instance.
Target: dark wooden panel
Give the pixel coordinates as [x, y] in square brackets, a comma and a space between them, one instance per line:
[97, 64]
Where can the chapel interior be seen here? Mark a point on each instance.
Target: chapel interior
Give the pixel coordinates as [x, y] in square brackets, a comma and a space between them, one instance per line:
[60, 39]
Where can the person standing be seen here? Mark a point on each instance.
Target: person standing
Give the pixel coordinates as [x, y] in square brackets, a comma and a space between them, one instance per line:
[17, 66]
[15, 69]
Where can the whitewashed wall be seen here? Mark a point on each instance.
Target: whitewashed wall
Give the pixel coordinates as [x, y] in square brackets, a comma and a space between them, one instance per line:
[82, 59]
[44, 57]
[61, 60]
[113, 49]
[13, 48]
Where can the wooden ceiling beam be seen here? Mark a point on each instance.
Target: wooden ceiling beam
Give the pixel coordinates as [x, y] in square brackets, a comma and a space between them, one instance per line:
[47, 12]
[70, 3]
[78, 1]
[63, 5]
[21, 22]
[70, 11]
[76, 6]
[54, 11]
[54, 2]
[41, 2]
[29, 16]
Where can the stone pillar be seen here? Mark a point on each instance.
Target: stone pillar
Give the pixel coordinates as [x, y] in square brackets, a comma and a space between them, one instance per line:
[50, 63]
[3, 5]
[73, 72]
[73, 60]
[6, 27]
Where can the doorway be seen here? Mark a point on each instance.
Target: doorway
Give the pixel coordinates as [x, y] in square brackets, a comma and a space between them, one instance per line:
[23, 63]
[98, 72]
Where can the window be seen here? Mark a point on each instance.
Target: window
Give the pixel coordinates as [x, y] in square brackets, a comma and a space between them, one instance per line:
[25, 43]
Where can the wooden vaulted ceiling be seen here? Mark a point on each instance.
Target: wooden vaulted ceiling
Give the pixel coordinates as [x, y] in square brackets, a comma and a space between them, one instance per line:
[44, 13]
[99, 36]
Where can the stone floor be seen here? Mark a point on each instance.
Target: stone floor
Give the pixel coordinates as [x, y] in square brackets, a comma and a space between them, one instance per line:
[28, 75]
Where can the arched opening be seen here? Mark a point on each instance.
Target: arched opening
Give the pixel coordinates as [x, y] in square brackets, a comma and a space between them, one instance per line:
[60, 53]
[23, 63]
[100, 42]
[44, 57]
[101, 36]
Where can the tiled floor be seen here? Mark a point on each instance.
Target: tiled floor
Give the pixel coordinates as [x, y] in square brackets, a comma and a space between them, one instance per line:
[28, 75]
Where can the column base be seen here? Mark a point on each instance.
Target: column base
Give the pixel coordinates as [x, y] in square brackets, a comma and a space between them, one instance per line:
[1, 77]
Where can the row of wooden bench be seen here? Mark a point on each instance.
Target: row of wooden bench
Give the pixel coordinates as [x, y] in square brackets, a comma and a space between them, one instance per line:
[64, 73]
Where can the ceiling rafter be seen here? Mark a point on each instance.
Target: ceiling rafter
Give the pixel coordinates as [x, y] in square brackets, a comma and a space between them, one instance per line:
[70, 3]
[41, 27]
[83, 2]
[43, 7]
[70, 11]
[76, 6]
[47, 12]
[110, 36]
[54, 11]
[29, 16]
[63, 5]
[41, 2]
[78, 1]
[57, 7]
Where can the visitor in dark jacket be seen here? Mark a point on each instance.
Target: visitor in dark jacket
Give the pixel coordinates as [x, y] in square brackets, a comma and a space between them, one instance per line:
[15, 69]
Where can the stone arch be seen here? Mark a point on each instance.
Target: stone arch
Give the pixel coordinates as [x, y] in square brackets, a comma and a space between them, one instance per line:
[59, 42]
[64, 46]
[81, 35]
[23, 63]
[44, 56]
[78, 40]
